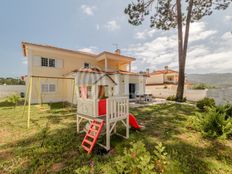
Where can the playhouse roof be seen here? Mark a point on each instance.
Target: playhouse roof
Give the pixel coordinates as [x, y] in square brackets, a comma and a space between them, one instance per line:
[93, 76]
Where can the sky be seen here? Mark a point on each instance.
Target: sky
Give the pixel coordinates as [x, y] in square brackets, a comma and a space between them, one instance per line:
[96, 26]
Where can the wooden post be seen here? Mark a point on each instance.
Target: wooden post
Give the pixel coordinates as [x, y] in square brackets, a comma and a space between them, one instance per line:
[78, 124]
[26, 98]
[39, 92]
[106, 64]
[127, 119]
[73, 92]
[107, 126]
[29, 104]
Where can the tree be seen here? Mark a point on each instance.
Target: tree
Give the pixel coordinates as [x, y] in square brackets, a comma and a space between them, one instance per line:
[168, 14]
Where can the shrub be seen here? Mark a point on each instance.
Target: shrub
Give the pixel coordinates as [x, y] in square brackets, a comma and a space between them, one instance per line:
[173, 98]
[227, 109]
[214, 124]
[205, 102]
[13, 99]
[202, 86]
[135, 160]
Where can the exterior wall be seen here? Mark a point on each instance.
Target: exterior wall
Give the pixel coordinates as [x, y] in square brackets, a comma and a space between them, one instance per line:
[192, 95]
[122, 87]
[7, 90]
[174, 77]
[65, 63]
[155, 79]
[112, 65]
[162, 78]
[221, 96]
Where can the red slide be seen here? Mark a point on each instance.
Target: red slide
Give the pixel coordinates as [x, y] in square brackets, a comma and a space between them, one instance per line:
[133, 122]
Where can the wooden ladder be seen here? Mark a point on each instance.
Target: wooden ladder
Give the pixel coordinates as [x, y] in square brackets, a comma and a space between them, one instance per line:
[92, 135]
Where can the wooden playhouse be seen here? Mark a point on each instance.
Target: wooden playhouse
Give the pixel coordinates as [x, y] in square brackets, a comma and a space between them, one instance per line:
[98, 104]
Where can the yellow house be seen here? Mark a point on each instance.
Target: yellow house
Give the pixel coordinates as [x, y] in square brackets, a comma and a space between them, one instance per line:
[51, 70]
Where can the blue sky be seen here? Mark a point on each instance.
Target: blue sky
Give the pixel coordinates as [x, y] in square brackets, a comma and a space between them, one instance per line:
[95, 26]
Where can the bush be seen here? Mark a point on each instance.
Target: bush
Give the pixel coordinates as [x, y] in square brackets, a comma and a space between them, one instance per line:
[173, 98]
[205, 102]
[134, 160]
[227, 109]
[214, 124]
[202, 86]
[13, 99]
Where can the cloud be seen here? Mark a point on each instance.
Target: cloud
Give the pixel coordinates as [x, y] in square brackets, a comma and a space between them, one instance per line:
[112, 25]
[198, 32]
[92, 49]
[145, 34]
[227, 36]
[228, 18]
[203, 56]
[98, 27]
[88, 10]
[24, 61]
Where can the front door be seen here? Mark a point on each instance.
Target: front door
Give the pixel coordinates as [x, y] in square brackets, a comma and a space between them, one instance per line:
[131, 90]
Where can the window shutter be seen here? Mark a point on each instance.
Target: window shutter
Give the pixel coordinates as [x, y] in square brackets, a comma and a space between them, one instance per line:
[36, 61]
[59, 63]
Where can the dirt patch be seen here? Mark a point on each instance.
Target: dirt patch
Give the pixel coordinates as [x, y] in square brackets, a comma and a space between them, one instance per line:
[57, 167]
[5, 155]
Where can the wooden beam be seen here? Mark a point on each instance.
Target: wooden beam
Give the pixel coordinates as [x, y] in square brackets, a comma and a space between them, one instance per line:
[29, 104]
[26, 98]
[49, 77]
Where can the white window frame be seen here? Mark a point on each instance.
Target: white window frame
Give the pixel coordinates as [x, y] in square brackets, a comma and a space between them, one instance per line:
[48, 65]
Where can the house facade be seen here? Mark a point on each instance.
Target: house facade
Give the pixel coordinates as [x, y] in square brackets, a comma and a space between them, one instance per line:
[52, 68]
[164, 79]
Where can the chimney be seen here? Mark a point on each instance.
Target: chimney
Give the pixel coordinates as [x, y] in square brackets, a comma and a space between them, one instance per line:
[166, 67]
[118, 51]
[147, 71]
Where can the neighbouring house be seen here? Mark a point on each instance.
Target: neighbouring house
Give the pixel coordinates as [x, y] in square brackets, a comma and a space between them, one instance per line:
[51, 71]
[164, 79]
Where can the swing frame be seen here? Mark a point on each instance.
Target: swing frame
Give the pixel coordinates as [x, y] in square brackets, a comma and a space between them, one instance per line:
[27, 101]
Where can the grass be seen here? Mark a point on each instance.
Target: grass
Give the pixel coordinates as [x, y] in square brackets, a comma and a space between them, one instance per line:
[51, 145]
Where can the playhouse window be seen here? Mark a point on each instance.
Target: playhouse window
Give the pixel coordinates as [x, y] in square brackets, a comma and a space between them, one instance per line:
[85, 91]
[86, 65]
[103, 91]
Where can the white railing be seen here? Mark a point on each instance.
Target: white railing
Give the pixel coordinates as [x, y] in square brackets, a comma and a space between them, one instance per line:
[117, 108]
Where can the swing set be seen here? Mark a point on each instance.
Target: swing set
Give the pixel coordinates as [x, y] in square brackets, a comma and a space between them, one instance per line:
[37, 80]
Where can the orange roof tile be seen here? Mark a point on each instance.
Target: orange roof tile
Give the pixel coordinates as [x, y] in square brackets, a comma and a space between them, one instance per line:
[169, 71]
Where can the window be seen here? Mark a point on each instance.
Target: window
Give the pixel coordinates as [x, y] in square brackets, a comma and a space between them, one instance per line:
[51, 62]
[48, 62]
[86, 65]
[44, 61]
[52, 88]
[103, 91]
[48, 88]
[44, 88]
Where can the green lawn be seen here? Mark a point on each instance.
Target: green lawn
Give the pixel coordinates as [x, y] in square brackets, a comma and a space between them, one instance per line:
[51, 144]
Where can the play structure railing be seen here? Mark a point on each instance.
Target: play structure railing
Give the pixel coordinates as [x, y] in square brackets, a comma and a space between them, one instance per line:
[117, 108]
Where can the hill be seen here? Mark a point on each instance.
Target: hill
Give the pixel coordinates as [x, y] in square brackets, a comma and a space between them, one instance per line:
[215, 79]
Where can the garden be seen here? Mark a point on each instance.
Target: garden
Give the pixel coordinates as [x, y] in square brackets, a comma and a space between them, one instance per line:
[178, 138]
